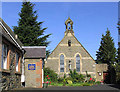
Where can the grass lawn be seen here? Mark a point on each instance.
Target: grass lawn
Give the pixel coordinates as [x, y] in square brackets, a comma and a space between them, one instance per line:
[76, 84]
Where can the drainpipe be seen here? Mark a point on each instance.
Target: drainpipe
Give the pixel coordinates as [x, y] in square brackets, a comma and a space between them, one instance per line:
[23, 70]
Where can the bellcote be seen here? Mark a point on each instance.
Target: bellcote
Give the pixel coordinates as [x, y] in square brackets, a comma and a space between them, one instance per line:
[69, 26]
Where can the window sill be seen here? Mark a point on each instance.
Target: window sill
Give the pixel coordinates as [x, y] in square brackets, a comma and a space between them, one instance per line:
[5, 70]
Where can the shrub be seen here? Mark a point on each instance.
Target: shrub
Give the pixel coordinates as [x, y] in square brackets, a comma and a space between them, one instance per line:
[69, 81]
[60, 79]
[98, 82]
[68, 78]
[52, 75]
[64, 76]
[75, 77]
[88, 76]
[91, 80]
[81, 78]
[64, 82]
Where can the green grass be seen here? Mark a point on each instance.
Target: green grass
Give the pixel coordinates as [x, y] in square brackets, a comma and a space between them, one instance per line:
[76, 84]
[56, 84]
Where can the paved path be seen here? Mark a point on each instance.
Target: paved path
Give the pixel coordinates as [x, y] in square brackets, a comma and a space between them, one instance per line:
[95, 88]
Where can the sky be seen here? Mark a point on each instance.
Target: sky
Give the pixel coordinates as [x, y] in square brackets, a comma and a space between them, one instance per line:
[90, 20]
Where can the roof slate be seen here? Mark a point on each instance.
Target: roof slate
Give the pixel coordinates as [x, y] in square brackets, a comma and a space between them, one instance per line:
[35, 52]
[7, 36]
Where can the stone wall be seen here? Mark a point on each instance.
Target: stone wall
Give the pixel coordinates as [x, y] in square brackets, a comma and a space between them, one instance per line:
[10, 78]
[86, 61]
[100, 68]
[33, 78]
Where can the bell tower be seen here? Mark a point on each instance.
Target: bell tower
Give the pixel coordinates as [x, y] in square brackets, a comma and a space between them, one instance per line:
[69, 26]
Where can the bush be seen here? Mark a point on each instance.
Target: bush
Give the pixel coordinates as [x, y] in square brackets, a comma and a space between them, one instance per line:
[91, 80]
[52, 75]
[98, 82]
[60, 79]
[64, 82]
[88, 76]
[75, 77]
[69, 82]
[81, 78]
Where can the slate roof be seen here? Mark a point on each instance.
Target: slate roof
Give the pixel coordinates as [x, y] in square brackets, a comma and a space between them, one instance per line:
[6, 34]
[35, 51]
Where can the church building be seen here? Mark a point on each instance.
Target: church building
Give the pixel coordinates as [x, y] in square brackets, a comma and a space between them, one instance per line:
[70, 54]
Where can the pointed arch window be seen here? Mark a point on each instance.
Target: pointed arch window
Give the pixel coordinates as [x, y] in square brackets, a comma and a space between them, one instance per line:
[78, 63]
[62, 63]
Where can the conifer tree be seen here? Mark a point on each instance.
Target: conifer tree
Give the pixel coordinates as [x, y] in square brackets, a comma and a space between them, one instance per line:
[107, 51]
[118, 55]
[117, 67]
[29, 30]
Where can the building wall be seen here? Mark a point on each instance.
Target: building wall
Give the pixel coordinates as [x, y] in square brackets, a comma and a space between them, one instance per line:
[86, 61]
[33, 78]
[100, 68]
[0, 58]
[0, 45]
[11, 78]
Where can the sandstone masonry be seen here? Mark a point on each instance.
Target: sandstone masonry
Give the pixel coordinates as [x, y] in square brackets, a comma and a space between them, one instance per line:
[74, 55]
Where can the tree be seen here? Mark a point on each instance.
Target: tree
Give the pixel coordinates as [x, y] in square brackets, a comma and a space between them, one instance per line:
[117, 67]
[117, 70]
[29, 30]
[107, 54]
[118, 55]
[107, 50]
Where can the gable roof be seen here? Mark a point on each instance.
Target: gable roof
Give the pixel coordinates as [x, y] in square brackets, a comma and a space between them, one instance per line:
[9, 34]
[77, 41]
[35, 51]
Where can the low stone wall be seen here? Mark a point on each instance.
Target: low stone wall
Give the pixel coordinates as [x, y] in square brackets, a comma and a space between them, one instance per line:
[10, 81]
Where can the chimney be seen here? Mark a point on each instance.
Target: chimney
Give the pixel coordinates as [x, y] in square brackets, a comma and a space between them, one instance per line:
[16, 36]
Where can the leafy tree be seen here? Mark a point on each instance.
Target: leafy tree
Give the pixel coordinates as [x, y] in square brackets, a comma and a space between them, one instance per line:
[107, 50]
[29, 30]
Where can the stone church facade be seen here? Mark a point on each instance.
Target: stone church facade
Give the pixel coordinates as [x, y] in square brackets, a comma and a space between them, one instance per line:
[70, 54]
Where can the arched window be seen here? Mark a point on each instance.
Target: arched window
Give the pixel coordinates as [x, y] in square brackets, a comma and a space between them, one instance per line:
[78, 63]
[69, 43]
[62, 63]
